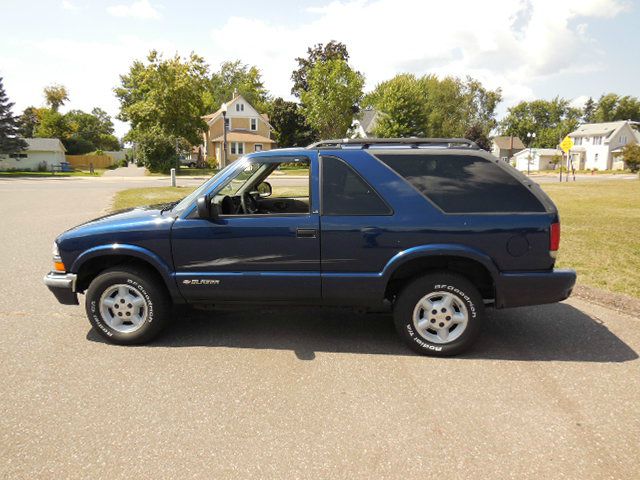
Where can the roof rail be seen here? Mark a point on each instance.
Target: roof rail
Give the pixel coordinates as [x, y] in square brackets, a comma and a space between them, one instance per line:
[411, 142]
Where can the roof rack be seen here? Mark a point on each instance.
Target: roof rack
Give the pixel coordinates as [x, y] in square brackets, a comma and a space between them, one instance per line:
[404, 142]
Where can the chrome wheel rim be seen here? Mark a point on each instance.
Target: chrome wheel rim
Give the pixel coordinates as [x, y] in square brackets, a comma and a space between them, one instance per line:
[123, 308]
[440, 317]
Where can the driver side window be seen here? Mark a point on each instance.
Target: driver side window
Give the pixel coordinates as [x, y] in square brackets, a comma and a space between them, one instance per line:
[267, 188]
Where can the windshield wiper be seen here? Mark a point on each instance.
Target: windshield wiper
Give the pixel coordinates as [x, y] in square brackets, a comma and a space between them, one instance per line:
[169, 206]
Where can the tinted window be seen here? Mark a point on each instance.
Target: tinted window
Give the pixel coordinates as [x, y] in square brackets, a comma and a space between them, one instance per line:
[464, 183]
[344, 192]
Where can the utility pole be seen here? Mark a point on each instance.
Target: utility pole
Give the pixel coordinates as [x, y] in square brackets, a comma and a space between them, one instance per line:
[531, 136]
[224, 135]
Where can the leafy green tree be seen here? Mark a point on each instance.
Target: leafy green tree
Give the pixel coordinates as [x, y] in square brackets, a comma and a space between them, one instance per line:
[333, 95]
[10, 141]
[434, 107]
[53, 125]
[232, 77]
[289, 124]
[551, 121]
[318, 53]
[588, 110]
[90, 131]
[55, 96]
[156, 150]
[29, 120]
[612, 107]
[400, 105]
[478, 135]
[165, 96]
[631, 156]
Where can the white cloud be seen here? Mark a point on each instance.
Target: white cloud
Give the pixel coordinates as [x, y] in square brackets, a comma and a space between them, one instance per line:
[68, 5]
[504, 43]
[140, 9]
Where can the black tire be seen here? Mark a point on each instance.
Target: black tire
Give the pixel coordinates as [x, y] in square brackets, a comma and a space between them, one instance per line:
[157, 306]
[467, 295]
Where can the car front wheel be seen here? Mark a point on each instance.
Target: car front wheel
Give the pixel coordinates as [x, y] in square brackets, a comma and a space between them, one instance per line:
[439, 314]
[127, 306]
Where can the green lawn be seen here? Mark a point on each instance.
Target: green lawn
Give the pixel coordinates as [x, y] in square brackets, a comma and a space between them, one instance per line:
[600, 227]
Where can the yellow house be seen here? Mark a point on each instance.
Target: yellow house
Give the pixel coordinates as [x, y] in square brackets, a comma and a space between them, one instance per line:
[247, 131]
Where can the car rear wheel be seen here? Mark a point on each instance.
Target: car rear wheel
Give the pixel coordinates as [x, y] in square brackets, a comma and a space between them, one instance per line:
[439, 314]
[127, 306]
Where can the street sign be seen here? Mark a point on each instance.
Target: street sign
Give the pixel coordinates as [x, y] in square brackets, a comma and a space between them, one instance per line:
[567, 144]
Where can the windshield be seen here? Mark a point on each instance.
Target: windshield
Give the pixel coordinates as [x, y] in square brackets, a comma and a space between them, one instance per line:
[189, 199]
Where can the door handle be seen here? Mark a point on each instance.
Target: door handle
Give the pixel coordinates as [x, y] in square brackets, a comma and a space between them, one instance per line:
[306, 233]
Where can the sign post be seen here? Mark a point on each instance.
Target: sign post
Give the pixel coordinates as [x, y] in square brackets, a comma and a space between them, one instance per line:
[566, 145]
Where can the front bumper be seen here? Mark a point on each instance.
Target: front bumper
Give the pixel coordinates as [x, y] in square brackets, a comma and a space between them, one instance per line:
[518, 289]
[62, 285]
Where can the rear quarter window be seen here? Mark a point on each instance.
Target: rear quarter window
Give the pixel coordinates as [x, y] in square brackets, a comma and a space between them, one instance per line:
[463, 183]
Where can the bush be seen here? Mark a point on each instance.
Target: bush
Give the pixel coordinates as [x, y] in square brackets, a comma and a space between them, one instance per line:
[123, 163]
[156, 150]
[42, 167]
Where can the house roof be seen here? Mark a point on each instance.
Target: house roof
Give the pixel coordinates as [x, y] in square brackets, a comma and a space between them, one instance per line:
[368, 119]
[236, 136]
[596, 129]
[211, 117]
[45, 145]
[504, 142]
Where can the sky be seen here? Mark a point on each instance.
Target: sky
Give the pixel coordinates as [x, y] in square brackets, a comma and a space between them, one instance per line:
[528, 48]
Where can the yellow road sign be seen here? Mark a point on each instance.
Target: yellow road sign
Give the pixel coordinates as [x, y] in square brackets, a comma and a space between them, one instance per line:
[567, 144]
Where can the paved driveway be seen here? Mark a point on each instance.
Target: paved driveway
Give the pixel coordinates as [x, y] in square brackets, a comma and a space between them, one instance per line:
[549, 392]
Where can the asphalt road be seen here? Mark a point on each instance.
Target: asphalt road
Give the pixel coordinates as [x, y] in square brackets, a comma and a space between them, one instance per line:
[548, 392]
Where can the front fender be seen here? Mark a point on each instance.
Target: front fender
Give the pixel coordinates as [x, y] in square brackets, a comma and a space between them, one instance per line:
[133, 251]
[438, 250]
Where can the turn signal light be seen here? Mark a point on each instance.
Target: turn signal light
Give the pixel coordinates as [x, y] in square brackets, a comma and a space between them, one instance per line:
[59, 267]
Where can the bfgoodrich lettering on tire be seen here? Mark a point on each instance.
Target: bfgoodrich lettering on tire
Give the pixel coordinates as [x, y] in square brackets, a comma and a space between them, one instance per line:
[127, 306]
[439, 314]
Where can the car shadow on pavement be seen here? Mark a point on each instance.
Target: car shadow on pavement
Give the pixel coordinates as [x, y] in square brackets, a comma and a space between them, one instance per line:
[556, 332]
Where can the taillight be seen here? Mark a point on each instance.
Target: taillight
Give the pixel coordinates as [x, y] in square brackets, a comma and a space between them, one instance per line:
[554, 238]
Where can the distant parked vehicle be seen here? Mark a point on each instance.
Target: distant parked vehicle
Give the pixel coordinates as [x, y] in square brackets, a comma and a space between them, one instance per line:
[187, 162]
[435, 230]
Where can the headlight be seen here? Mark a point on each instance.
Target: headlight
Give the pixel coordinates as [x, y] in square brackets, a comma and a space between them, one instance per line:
[54, 250]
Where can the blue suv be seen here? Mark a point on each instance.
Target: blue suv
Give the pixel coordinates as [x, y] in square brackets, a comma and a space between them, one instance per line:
[435, 230]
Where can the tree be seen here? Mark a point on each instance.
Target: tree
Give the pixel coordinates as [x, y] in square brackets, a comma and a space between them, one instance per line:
[318, 53]
[165, 96]
[551, 121]
[400, 105]
[290, 126]
[334, 92]
[89, 132]
[232, 77]
[612, 107]
[29, 120]
[55, 96]
[156, 150]
[631, 157]
[434, 107]
[588, 110]
[10, 141]
[53, 125]
[477, 134]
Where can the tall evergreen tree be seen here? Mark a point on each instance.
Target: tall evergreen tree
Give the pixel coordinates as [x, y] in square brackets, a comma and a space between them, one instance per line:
[10, 142]
[588, 110]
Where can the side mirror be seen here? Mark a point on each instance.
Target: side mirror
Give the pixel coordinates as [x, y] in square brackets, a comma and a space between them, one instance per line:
[264, 189]
[206, 209]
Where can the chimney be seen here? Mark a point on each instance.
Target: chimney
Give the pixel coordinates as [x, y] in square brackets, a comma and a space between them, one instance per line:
[235, 92]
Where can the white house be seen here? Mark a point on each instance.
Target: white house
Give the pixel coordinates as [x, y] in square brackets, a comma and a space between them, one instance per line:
[365, 123]
[41, 153]
[535, 159]
[596, 144]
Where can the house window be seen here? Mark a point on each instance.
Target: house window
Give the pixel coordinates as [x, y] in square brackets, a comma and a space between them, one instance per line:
[505, 159]
[239, 107]
[18, 155]
[578, 141]
[254, 124]
[597, 140]
[237, 148]
[257, 147]
[623, 139]
[595, 159]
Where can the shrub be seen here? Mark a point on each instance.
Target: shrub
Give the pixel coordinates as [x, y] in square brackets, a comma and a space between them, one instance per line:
[123, 163]
[156, 150]
[42, 167]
